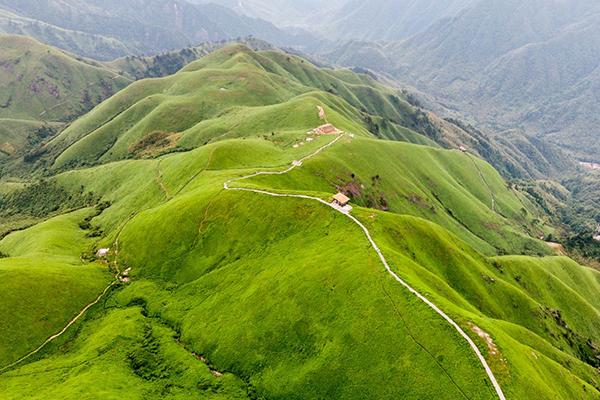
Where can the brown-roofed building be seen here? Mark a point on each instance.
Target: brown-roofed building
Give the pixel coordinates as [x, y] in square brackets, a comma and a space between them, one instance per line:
[327, 129]
[341, 199]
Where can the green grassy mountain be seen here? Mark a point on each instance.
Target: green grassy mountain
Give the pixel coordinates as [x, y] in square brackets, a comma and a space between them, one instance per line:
[170, 62]
[509, 64]
[44, 261]
[134, 114]
[107, 29]
[42, 88]
[246, 92]
[84, 44]
[237, 294]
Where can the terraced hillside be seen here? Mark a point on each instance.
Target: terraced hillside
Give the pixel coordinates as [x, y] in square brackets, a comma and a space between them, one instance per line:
[42, 88]
[231, 294]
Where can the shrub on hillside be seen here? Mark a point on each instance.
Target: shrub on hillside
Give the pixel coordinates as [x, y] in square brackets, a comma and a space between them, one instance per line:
[42, 199]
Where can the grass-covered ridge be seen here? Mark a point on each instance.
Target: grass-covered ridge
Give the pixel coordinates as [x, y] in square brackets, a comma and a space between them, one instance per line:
[234, 92]
[243, 295]
[45, 282]
[41, 89]
[42, 83]
[455, 190]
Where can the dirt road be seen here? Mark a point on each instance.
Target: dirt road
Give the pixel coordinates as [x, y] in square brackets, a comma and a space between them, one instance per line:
[382, 258]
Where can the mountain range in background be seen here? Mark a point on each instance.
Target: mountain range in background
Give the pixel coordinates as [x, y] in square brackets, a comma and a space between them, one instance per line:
[350, 19]
[531, 65]
[108, 29]
[306, 14]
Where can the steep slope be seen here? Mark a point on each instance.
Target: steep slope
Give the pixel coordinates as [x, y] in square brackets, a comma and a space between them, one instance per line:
[41, 88]
[81, 43]
[237, 294]
[43, 83]
[44, 282]
[246, 93]
[150, 26]
[526, 64]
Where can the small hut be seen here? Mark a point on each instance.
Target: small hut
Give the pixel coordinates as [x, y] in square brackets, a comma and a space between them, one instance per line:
[341, 200]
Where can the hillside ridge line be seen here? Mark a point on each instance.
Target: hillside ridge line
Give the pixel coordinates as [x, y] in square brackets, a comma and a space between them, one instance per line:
[382, 258]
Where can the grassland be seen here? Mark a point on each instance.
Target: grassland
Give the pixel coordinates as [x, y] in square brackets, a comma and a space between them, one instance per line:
[44, 282]
[43, 83]
[284, 297]
[121, 355]
[234, 92]
[461, 193]
[42, 88]
[18, 135]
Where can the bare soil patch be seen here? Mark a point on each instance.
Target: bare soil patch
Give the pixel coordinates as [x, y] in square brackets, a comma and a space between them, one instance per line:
[154, 144]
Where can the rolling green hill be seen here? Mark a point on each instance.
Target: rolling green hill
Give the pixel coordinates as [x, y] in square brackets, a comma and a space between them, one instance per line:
[231, 93]
[44, 282]
[170, 62]
[237, 294]
[42, 88]
[43, 83]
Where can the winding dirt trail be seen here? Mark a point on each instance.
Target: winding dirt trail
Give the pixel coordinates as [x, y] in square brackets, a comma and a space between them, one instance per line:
[382, 258]
[297, 164]
[62, 331]
[81, 313]
[485, 182]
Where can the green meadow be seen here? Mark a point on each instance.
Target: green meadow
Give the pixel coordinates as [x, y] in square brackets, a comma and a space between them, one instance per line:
[44, 282]
[242, 295]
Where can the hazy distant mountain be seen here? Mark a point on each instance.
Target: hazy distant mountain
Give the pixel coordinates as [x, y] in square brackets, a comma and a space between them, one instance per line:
[134, 26]
[85, 44]
[350, 19]
[389, 19]
[531, 64]
[303, 13]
